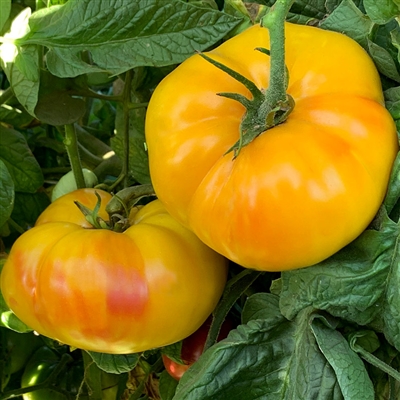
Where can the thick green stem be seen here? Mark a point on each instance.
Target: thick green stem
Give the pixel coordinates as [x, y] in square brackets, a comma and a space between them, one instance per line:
[272, 106]
[375, 361]
[274, 21]
[127, 100]
[127, 198]
[18, 228]
[71, 145]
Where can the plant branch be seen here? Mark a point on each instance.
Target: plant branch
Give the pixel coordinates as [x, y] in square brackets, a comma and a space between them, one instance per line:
[126, 101]
[274, 21]
[71, 145]
[272, 106]
[16, 226]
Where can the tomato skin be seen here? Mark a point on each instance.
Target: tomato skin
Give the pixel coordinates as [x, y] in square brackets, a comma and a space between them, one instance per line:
[109, 292]
[193, 347]
[300, 191]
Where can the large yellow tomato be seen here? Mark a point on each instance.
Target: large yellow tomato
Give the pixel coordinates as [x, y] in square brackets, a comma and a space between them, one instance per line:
[95, 289]
[300, 191]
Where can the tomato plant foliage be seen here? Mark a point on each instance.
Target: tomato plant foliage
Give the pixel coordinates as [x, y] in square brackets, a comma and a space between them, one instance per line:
[76, 77]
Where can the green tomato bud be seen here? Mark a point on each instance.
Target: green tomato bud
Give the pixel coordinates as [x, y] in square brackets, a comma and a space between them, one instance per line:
[67, 183]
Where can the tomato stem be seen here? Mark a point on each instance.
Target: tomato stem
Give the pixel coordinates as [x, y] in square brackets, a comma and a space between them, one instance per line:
[271, 107]
[126, 102]
[71, 145]
[376, 362]
[126, 198]
[274, 21]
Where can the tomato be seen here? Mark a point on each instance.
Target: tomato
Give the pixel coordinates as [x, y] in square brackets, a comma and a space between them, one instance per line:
[20, 346]
[193, 347]
[37, 370]
[301, 190]
[95, 289]
[43, 363]
[67, 183]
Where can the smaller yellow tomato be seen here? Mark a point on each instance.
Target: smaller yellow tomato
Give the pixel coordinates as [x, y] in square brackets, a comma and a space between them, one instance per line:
[99, 290]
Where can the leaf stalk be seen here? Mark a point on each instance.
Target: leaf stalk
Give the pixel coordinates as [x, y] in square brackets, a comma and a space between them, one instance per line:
[71, 145]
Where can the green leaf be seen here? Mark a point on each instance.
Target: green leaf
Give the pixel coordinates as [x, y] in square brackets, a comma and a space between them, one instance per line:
[21, 64]
[14, 116]
[392, 200]
[381, 11]
[56, 106]
[167, 386]
[262, 306]
[28, 207]
[6, 194]
[352, 376]
[348, 19]
[312, 8]
[359, 283]
[383, 61]
[382, 35]
[19, 160]
[121, 35]
[260, 361]
[5, 10]
[304, 11]
[368, 340]
[115, 363]
[392, 101]
[395, 37]
[234, 289]
[238, 9]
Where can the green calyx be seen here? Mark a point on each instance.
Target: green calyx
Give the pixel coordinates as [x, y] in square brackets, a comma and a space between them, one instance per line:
[118, 208]
[92, 216]
[272, 106]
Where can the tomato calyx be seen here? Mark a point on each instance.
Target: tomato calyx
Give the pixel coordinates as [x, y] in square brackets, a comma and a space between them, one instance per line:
[92, 215]
[118, 208]
[260, 114]
[125, 199]
[271, 106]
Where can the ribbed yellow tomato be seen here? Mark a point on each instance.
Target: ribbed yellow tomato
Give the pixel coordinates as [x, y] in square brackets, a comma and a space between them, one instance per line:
[95, 289]
[301, 190]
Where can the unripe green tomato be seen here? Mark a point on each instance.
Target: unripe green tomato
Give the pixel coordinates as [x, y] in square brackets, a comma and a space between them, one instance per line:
[20, 347]
[37, 370]
[67, 183]
[42, 364]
